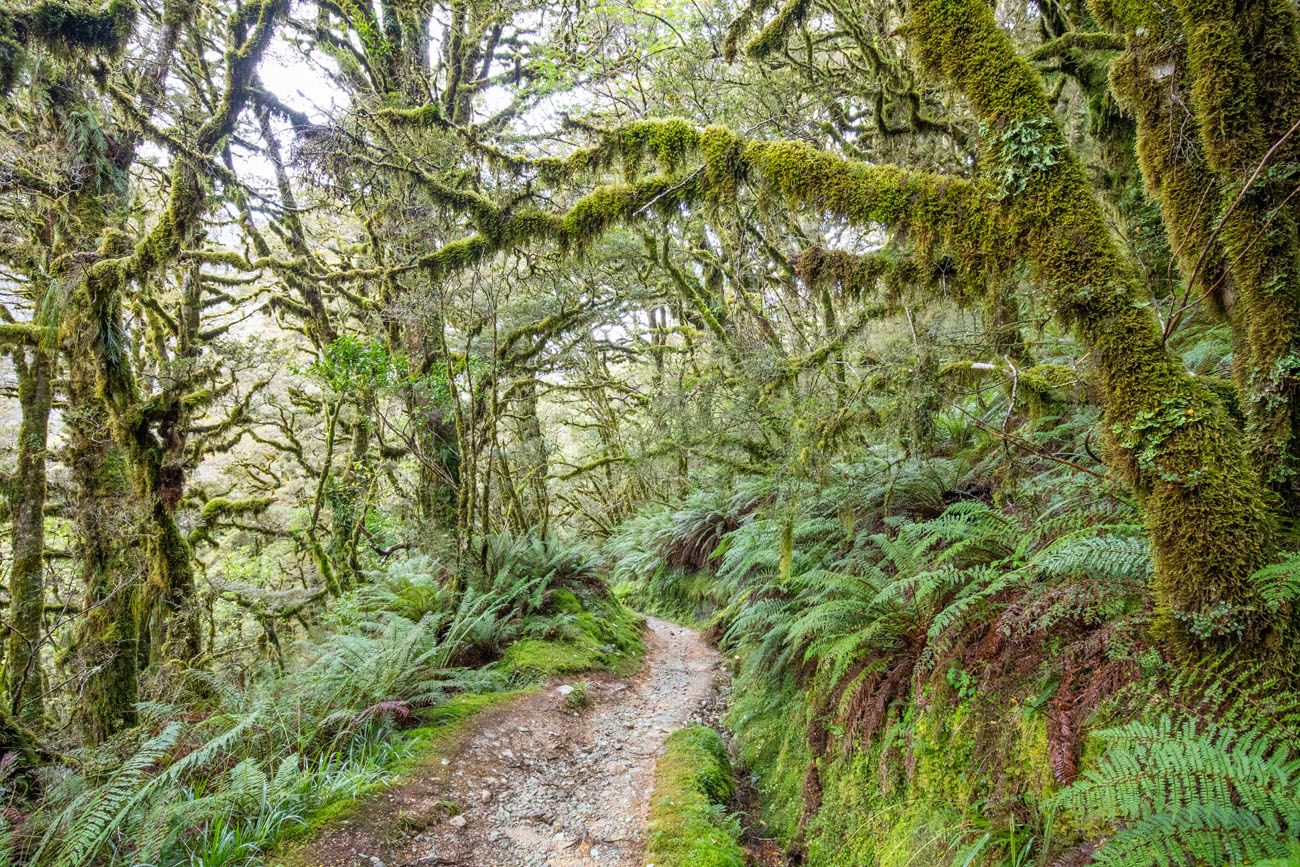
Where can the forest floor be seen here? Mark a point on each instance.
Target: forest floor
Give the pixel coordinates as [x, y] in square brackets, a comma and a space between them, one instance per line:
[535, 783]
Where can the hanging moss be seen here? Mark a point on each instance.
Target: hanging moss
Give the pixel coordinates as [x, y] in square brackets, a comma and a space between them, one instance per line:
[741, 25]
[611, 205]
[669, 141]
[852, 274]
[777, 32]
[74, 29]
[1244, 63]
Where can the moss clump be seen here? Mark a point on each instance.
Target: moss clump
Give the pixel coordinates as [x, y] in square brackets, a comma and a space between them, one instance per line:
[538, 657]
[608, 206]
[669, 141]
[688, 825]
[777, 31]
[598, 632]
[852, 274]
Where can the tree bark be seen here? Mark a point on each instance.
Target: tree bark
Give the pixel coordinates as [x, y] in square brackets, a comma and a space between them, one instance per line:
[24, 675]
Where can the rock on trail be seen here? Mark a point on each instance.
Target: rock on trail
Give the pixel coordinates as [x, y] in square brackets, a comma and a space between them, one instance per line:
[535, 785]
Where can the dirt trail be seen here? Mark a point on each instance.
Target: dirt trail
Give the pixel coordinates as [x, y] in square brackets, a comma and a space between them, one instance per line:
[532, 784]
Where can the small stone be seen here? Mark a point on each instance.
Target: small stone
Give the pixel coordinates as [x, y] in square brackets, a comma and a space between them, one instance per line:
[458, 821]
[565, 690]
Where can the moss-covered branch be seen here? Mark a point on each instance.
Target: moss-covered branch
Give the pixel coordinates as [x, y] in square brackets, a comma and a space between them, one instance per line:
[1245, 87]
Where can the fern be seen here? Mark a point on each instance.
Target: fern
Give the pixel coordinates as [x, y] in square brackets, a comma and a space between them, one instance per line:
[1209, 780]
[86, 824]
[1279, 584]
[1122, 555]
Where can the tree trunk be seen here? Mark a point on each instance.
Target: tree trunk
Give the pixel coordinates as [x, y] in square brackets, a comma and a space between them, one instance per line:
[1207, 516]
[1232, 217]
[23, 675]
[106, 646]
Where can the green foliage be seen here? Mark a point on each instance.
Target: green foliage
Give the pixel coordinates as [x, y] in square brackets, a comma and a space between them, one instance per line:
[662, 558]
[579, 699]
[1193, 790]
[1207, 773]
[1020, 149]
[356, 368]
[864, 702]
[1279, 583]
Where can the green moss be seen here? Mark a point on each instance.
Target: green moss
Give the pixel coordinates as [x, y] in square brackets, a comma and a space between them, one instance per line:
[612, 204]
[904, 798]
[740, 25]
[457, 255]
[1218, 229]
[943, 747]
[669, 141]
[688, 825]
[1210, 523]
[73, 29]
[536, 657]
[777, 32]
[1029, 755]
[945, 765]
[606, 635]
[771, 724]
[854, 275]
[445, 722]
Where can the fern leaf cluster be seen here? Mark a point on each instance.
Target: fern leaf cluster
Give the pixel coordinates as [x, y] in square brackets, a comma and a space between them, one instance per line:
[1210, 774]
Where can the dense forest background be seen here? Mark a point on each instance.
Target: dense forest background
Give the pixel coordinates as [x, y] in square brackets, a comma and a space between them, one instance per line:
[369, 359]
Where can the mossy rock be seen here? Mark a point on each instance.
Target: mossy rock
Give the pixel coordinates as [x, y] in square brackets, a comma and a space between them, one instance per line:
[689, 826]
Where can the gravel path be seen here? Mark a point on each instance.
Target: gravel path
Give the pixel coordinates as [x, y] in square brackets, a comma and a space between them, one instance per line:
[537, 785]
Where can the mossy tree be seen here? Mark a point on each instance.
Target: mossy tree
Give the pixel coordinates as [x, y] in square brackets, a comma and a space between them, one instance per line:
[128, 623]
[1213, 87]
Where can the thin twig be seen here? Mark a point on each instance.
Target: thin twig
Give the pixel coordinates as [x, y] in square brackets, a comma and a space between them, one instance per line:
[1019, 443]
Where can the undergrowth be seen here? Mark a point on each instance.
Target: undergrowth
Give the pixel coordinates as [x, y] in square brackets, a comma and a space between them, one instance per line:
[241, 760]
[955, 663]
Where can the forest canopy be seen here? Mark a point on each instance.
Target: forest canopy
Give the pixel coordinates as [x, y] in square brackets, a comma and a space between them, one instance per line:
[941, 356]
